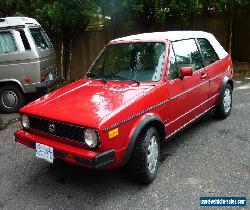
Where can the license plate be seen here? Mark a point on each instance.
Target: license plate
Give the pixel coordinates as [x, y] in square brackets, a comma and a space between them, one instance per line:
[44, 152]
[50, 76]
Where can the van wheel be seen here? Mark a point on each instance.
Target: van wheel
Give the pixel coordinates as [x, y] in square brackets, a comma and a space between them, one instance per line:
[11, 98]
[223, 109]
[144, 160]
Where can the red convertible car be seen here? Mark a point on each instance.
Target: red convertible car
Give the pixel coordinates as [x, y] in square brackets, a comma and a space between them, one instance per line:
[141, 90]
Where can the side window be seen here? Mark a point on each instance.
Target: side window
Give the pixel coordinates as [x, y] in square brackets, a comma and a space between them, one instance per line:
[187, 54]
[7, 43]
[40, 37]
[173, 72]
[207, 51]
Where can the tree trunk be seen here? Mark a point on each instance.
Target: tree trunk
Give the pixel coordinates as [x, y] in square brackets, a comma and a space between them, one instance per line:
[68, 77]
[62, 60]
[230, 36]
[66, 54]
[229, 31]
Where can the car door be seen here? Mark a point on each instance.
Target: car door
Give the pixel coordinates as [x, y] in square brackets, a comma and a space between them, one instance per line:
[187, 96]
[215, 68]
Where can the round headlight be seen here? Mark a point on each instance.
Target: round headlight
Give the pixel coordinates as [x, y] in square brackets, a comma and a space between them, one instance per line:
[91, 138]
[25, 121]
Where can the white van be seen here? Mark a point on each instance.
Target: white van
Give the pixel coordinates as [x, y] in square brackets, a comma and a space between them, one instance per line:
[27, 61]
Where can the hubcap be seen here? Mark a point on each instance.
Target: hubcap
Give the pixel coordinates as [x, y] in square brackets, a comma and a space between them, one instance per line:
[9, 99]
[227, 100]
[152, 157]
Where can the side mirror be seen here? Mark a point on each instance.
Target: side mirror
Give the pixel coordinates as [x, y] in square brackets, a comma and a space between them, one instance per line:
[186, 72]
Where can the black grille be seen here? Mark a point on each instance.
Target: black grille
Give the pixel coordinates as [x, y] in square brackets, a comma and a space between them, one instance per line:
[61, 129]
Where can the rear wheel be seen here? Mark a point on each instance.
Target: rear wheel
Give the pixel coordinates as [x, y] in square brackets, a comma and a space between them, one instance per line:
[144, 160]
[11, 98]
[223, 109]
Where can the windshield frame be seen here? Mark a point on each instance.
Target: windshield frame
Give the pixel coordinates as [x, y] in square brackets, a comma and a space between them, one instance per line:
[114, 42]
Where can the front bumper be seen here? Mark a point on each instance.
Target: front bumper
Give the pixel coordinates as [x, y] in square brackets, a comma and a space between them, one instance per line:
[73, 154]
[49, 85]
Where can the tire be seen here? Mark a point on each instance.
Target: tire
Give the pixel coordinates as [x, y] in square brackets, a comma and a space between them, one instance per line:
[57, 163]
[142, 167]
[11, 98]
[224, 106]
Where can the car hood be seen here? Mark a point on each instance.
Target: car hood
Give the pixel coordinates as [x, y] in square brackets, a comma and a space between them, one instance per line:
[86, 102]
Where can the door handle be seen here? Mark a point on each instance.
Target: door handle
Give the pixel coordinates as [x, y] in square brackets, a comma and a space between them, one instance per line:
[203, 76]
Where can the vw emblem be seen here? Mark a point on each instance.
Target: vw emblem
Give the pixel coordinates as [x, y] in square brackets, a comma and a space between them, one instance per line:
[52, 128]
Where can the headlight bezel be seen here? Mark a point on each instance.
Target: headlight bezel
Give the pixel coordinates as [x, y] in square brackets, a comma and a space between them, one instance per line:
[97, 136]
[25, 121]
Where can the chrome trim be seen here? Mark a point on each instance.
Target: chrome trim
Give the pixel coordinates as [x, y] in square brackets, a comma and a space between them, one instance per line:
[183, 126]
[135, 115]
[163, 102]
[191, 110]
[152, 107]
[190, 89]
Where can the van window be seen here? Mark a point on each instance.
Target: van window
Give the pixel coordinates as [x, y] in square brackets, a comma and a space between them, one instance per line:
[187, 54]
[7, 43]
[40, 38]
[207, 51]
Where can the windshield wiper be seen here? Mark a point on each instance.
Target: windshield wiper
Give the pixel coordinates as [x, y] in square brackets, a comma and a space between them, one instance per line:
[93, 75]
[125, 78]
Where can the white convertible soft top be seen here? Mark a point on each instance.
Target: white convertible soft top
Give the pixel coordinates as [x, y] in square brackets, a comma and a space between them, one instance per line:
[175, 36]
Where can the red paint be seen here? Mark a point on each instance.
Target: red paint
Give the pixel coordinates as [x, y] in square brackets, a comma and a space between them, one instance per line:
[186, 72]
[99, 105]
[28, 80]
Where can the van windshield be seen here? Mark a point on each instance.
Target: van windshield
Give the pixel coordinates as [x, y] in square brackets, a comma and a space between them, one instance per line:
[140, 61]
[40, 37]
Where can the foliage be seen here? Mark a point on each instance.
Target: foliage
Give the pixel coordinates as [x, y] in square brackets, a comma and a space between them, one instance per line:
[151, 15]
[53, 14]
[64, 19]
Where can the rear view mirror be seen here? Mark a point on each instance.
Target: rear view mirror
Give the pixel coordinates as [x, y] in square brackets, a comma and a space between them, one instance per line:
[186, 72]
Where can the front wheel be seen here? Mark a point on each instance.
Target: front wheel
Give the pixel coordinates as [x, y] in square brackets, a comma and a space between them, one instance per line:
[223, 109]
[144, 160]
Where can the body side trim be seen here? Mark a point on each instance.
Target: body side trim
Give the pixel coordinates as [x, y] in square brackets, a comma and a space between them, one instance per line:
[161, 103]
[191, 110]
[192, 120]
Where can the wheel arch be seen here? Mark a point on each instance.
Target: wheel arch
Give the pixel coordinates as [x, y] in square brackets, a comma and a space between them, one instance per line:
[11, 82]
[149, 120]
[227, 80]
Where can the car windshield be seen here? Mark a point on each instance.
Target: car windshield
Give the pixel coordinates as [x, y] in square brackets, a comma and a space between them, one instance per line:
[141, 62]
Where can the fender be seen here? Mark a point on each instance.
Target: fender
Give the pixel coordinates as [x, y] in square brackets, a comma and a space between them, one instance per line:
[145, 120]
[18, 83]
[226, 80]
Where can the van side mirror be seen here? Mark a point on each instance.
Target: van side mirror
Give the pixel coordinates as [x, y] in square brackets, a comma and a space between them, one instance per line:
[186, 72]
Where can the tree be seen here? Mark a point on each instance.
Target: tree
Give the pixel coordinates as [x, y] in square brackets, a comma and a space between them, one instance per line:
[66, 19]
[151, 15]
[228, 9]
[62, 19]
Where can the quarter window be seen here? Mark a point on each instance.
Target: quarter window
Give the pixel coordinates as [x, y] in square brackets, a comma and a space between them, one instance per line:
[40, 38]
[173, 72]
[208, 54]
[187, 54]
[7, 43]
